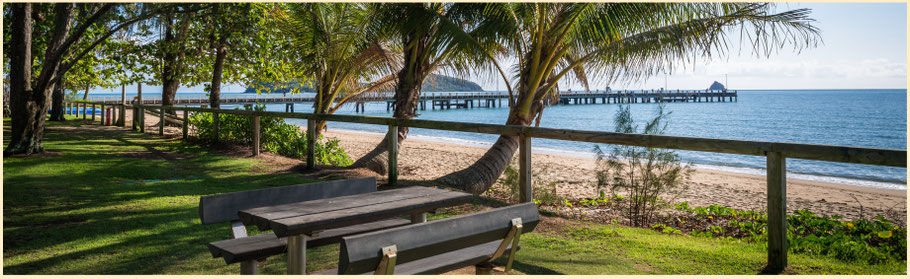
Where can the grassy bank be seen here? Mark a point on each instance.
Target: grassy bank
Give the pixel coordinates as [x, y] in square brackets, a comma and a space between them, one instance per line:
[78, 210]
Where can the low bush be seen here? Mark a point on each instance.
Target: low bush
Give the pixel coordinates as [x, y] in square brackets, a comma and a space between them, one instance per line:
[544, 192]
[276, 136]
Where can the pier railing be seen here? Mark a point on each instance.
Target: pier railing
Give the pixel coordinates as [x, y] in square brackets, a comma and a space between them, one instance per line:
[775, 152]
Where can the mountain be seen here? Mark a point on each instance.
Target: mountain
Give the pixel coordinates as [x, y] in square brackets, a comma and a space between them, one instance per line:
[717, 86]
[434, 83]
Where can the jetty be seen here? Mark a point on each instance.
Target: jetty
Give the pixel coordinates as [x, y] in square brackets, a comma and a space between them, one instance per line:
[459, 100]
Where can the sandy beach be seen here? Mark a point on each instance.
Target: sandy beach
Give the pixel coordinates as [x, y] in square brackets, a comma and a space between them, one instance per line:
[427, 160]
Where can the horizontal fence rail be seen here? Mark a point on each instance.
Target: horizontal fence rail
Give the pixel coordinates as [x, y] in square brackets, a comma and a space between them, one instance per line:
[775, 152]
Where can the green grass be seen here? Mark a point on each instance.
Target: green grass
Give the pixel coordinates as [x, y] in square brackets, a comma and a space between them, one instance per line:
[67, 214]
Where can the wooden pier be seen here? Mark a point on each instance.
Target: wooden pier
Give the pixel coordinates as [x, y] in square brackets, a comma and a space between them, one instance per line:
[485, 99]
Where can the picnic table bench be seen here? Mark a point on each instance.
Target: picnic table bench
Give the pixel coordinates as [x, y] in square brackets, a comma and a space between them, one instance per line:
[439, 246]
[303, 221]
[249, 249]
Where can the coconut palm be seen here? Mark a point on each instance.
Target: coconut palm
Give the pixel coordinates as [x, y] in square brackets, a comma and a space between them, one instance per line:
[431, 36]
[631, 41]
[334, 50]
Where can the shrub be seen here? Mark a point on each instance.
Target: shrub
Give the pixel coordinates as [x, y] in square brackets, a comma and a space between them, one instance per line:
[644, 174]
[276, 136]
[545, 194]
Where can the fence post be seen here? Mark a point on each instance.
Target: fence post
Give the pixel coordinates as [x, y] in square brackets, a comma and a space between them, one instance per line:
[215, 125]
[161, 124]
[310, 143]
[392, 136]
[93, 112]
[121, 121]
[524, 169]
[102, 115]
[777, 211]
[255, 135]
[186, 123]
[84, 110]
[141, 119]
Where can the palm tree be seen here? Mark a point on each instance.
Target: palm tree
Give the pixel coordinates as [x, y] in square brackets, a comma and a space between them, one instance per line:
[431, 36]
[333, 49]
[617, 40]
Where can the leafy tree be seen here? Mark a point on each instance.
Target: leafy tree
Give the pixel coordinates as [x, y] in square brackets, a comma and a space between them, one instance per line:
[52, 33]
[619, 40]
[431, 36]
[336, 51]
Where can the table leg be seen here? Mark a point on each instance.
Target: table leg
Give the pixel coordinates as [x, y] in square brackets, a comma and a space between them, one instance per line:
[297, 254]
[418, 218]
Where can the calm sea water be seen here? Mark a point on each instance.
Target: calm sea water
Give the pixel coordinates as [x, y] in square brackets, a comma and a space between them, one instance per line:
[863, 118]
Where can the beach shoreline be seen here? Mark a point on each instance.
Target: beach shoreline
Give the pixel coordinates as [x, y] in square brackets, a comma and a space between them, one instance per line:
[421, 159]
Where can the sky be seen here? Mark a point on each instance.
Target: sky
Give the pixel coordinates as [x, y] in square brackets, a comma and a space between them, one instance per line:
[863, 46]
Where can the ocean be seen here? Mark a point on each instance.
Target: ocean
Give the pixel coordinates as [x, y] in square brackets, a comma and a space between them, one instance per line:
[861, 118]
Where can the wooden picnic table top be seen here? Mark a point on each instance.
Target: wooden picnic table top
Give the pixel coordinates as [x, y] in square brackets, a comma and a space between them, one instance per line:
[316, 215]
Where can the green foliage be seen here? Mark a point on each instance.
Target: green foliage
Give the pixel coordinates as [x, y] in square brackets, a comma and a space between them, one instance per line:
[545, 194]
[873, 241]
[643, 173]
[276, 136]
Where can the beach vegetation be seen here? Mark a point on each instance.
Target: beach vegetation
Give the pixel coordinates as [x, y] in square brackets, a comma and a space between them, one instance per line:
[544, 191]
[643, 174]
[281, 138]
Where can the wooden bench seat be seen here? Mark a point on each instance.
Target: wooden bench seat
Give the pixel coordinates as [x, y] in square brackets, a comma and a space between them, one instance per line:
[248, 250]
[267, 244]
[439, 246]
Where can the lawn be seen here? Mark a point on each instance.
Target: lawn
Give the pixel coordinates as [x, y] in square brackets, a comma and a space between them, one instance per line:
[78, 210]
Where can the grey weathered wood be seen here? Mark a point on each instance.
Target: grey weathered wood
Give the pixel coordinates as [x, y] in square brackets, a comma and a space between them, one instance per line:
[310, 144]
[237, 229]
[161, 123]
[102, 116]
[392, 136]
[84, 110]
[267, 244]
[186, 123]
[215, 126]
[524, 170]
[307, 217]
[224, 207]
[777, 211]
[256, 131]
[94, 109]
[359, 253]
[441, 263]
[121, 120]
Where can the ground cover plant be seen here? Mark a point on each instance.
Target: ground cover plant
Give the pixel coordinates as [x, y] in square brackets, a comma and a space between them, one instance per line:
[79, 209]
[276, 136]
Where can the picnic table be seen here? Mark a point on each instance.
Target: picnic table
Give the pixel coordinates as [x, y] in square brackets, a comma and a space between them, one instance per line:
[297, 221]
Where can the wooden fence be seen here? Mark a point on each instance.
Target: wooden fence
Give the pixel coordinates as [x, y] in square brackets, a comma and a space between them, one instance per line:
[775, 152]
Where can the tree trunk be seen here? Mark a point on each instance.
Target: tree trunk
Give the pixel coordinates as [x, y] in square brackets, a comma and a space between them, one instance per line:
[57, 113]
[217, 70]
[85, 95]
[25, 106]
[173, 57]
[407, 96]
[481, 175]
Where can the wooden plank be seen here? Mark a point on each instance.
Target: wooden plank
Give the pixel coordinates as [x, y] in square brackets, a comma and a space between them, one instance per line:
[524, 170]
[161, 123]
[777, 211]
[359, 253]
[224, 207]
[262, 216]
[369, 213]
[186, 123]
[392, 136]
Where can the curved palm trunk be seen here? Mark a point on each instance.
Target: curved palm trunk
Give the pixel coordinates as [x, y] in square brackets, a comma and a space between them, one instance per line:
[407, 96]
[481, 175]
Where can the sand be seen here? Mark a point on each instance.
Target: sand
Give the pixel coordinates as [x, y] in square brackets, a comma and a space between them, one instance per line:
[427, 160]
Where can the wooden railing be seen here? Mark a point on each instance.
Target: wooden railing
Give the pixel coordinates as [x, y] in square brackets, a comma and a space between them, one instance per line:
[775, 152]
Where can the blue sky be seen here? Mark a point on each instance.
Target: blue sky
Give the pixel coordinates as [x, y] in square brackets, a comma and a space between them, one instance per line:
[864, 46]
